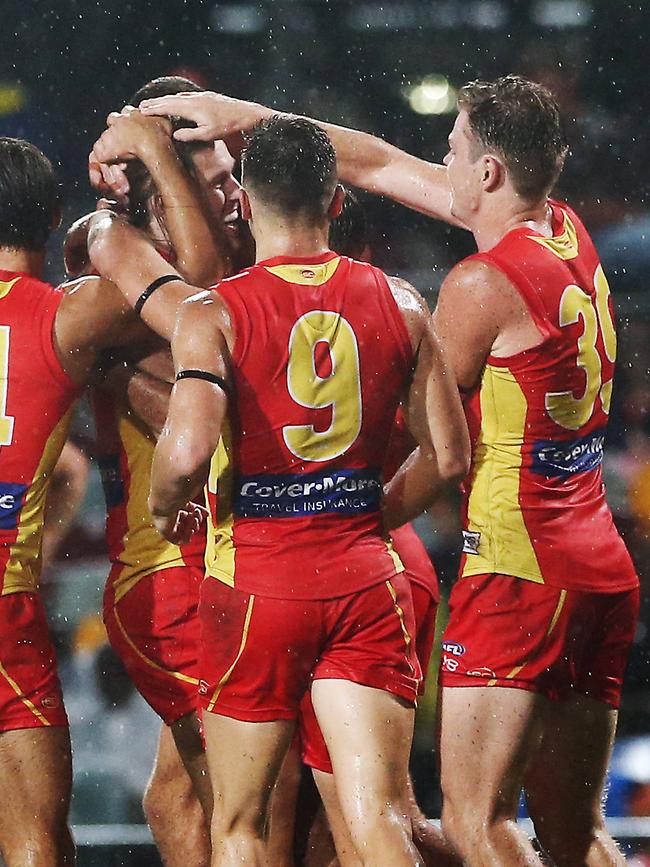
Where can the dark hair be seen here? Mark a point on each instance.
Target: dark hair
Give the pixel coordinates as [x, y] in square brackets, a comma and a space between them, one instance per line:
[520, 121]
[349, 231]
[290, 163]
[141, 185]
[30, 195]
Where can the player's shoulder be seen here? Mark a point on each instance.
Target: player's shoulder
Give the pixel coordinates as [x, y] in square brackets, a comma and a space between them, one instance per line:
[406, 296]
[477, 279]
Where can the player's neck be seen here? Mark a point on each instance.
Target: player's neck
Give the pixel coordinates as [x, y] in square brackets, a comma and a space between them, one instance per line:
[495, 222]
[292, 240]
[25, 261]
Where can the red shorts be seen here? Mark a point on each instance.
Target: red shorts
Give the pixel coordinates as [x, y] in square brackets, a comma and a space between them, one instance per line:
[30, 692]
[425, 607]
[505, 631]
[259, 654]
[154, 629]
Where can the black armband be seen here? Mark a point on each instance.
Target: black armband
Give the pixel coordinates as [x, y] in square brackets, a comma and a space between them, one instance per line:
[151, 288]
[208, 377]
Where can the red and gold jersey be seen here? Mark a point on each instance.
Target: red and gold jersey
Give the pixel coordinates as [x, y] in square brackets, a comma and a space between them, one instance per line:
[125, 454]
[36, 398]
[534, 500]
[321, 360]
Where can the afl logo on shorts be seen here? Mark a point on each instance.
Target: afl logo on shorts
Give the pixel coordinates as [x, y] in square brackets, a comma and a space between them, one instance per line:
[51, 701]
[203, 687]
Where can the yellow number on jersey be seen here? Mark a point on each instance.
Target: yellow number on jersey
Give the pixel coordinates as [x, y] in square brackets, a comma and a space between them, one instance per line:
[341, 390]
[564, 408]
[6, 421]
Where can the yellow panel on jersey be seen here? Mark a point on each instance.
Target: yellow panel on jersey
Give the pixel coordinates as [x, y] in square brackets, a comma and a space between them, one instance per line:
[496, 531]
[23, 568]
[6, 286]
[305, 275]
[220, 547]
[145, 550]
[564, 245]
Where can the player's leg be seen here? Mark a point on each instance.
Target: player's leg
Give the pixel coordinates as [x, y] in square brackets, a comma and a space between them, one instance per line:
[566, 779]
[429, 839]
[36, 775]
[257, 654]
[282, 810]
[487, 737]
[579, 734]
[186, 733]
[368, 733]
[346, 852]
[244, 760]
[173, 810]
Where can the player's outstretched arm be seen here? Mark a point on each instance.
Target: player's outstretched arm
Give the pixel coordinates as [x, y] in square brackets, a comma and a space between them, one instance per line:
[127, 257]
[364, 160]
[197, 407]
[199, 242]
[434, 415]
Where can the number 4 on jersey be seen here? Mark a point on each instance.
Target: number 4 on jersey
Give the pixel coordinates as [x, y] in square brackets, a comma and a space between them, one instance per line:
[6, 421]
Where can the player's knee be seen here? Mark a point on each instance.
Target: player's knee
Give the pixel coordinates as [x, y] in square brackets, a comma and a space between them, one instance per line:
[42, 844]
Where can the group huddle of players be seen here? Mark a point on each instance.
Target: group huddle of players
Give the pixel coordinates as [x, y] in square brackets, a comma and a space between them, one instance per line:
[263, 444]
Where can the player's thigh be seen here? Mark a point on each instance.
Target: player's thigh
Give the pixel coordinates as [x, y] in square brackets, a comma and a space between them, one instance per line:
[36, 768]
[368, 733]
[488, 735]
[567, 774]
[244, 761]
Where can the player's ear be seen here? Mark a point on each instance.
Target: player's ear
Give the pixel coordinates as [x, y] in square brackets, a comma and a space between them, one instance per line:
[493, 173]
[336, 205]
[244, 205]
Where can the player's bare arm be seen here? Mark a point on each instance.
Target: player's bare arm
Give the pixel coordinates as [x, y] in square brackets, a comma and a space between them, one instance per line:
[480, 312]
[197, 407]
[146, 396]
[363, 159]
[67, 490]
[199, 243]
[92, 317]
[433, 414]
[127, 257]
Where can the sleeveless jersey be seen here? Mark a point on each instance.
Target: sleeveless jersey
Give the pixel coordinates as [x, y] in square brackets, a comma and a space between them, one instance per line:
[36, 399]
[125, 454]
[320, 363]
[534, 500]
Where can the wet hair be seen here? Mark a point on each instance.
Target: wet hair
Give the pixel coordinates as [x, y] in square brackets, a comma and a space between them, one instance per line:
[30, 195]
[290, 164]
[141, 186]
[519, 121]
[349, 231]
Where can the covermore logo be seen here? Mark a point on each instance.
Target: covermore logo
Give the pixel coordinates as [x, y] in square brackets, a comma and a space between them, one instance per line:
[11, 502]
[345, 492]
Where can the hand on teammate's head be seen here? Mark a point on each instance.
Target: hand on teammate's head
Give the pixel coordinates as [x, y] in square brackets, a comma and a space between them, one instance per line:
[215, 115]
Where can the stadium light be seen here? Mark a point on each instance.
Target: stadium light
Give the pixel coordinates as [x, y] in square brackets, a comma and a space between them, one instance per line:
[434, 94]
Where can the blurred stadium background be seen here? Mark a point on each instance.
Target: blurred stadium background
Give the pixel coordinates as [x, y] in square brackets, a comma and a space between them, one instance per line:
[392, 68]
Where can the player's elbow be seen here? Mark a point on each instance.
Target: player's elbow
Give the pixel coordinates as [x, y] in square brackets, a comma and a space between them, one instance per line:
[453, 464]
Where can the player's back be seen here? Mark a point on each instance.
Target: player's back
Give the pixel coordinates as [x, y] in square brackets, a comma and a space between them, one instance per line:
[536, 507]
[36, 398]
[321, 360]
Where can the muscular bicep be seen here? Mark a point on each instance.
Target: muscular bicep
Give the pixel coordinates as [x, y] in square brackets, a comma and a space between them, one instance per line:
[93, 316]
[467, 319]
